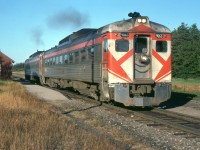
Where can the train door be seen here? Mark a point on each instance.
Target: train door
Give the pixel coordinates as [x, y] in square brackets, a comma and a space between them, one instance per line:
[41, 73]
[104, 65]
[142, 57]
[41, 65]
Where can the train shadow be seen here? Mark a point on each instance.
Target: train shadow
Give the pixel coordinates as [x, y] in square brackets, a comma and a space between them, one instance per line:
[177, 99]
[133, 108]
[23, 81]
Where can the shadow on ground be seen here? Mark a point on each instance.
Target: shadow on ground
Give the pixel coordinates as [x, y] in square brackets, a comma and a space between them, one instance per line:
[23, 81]
[177, 99]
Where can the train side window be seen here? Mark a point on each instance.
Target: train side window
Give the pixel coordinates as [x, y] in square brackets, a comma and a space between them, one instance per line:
[57, 60]
[61, 60]
[161, 46]
[83, 55]
[71, 57]
[91, 53]
[122, 45]
[77, 57]
[45, 61]
[54, 60]
[51, 61]
[66, 58]
[105, 47]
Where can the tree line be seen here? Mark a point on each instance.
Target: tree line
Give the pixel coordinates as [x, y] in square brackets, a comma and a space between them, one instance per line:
[18, 67]
[186, 51]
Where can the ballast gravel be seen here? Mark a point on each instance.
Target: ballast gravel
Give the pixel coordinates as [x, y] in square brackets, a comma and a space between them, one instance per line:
[111, 123]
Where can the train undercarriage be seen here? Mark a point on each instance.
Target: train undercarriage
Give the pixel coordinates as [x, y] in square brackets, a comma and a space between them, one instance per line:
[127, 94]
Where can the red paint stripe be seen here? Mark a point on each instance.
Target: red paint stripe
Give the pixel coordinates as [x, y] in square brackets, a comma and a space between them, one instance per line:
[125, 57]
[34, 60]
[118, 76]
[142, 28]
[166, 37]
[117, 36]
[165, 69]
[73, 48]
[97, 40]
[158, 57]
[115, 67]
[163, 76]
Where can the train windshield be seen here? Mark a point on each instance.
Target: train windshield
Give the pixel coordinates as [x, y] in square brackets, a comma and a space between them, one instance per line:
[140, 45]
[122, 45]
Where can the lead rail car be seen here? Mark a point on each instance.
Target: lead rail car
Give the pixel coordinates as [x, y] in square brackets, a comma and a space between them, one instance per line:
[127, 61]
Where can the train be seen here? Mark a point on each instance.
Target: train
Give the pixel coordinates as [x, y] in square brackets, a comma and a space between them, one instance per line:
[127, 61]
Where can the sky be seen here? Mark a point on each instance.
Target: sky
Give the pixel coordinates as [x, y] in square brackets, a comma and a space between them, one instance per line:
[30, 25]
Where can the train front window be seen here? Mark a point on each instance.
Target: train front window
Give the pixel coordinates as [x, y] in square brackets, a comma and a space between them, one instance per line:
[161, 46]
[140, 44]
[122, 45]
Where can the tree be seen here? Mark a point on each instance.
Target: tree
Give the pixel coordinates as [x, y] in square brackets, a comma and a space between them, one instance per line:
[18, 67]
[186, 51]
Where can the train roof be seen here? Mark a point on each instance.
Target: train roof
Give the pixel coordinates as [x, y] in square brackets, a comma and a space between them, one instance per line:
[36, 54]
[78, 34]
[130, 24]
[119, 26]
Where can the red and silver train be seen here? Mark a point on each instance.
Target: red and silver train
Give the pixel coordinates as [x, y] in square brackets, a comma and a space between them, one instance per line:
[128, 61]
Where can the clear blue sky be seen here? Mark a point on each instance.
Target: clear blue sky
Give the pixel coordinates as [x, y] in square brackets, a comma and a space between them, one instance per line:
[28, 25]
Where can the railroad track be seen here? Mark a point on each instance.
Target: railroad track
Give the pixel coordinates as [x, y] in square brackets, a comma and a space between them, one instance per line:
[183, 125]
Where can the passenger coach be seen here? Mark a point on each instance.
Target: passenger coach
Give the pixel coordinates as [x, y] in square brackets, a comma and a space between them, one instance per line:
[128, 61]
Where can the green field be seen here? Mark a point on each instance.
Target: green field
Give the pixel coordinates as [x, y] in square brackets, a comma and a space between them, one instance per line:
[186, 81]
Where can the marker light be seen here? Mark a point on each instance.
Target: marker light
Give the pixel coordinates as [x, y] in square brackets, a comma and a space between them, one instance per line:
[142, 20]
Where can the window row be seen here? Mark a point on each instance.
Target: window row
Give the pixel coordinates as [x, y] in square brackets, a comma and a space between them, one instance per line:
[72, 57]
[140, 44]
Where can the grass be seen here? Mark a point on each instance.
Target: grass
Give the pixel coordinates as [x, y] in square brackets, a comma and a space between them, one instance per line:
[186, 85]
[29, 123]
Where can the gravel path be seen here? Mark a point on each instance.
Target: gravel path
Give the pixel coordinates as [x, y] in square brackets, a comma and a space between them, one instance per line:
[138, 135]
[45, 93]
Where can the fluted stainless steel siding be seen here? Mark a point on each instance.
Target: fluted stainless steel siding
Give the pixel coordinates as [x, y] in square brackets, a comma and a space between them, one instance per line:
[81, 72]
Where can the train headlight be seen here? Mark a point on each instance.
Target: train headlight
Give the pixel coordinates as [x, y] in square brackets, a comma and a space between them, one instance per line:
[144, 59]
[142, 20]
[139, 20]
